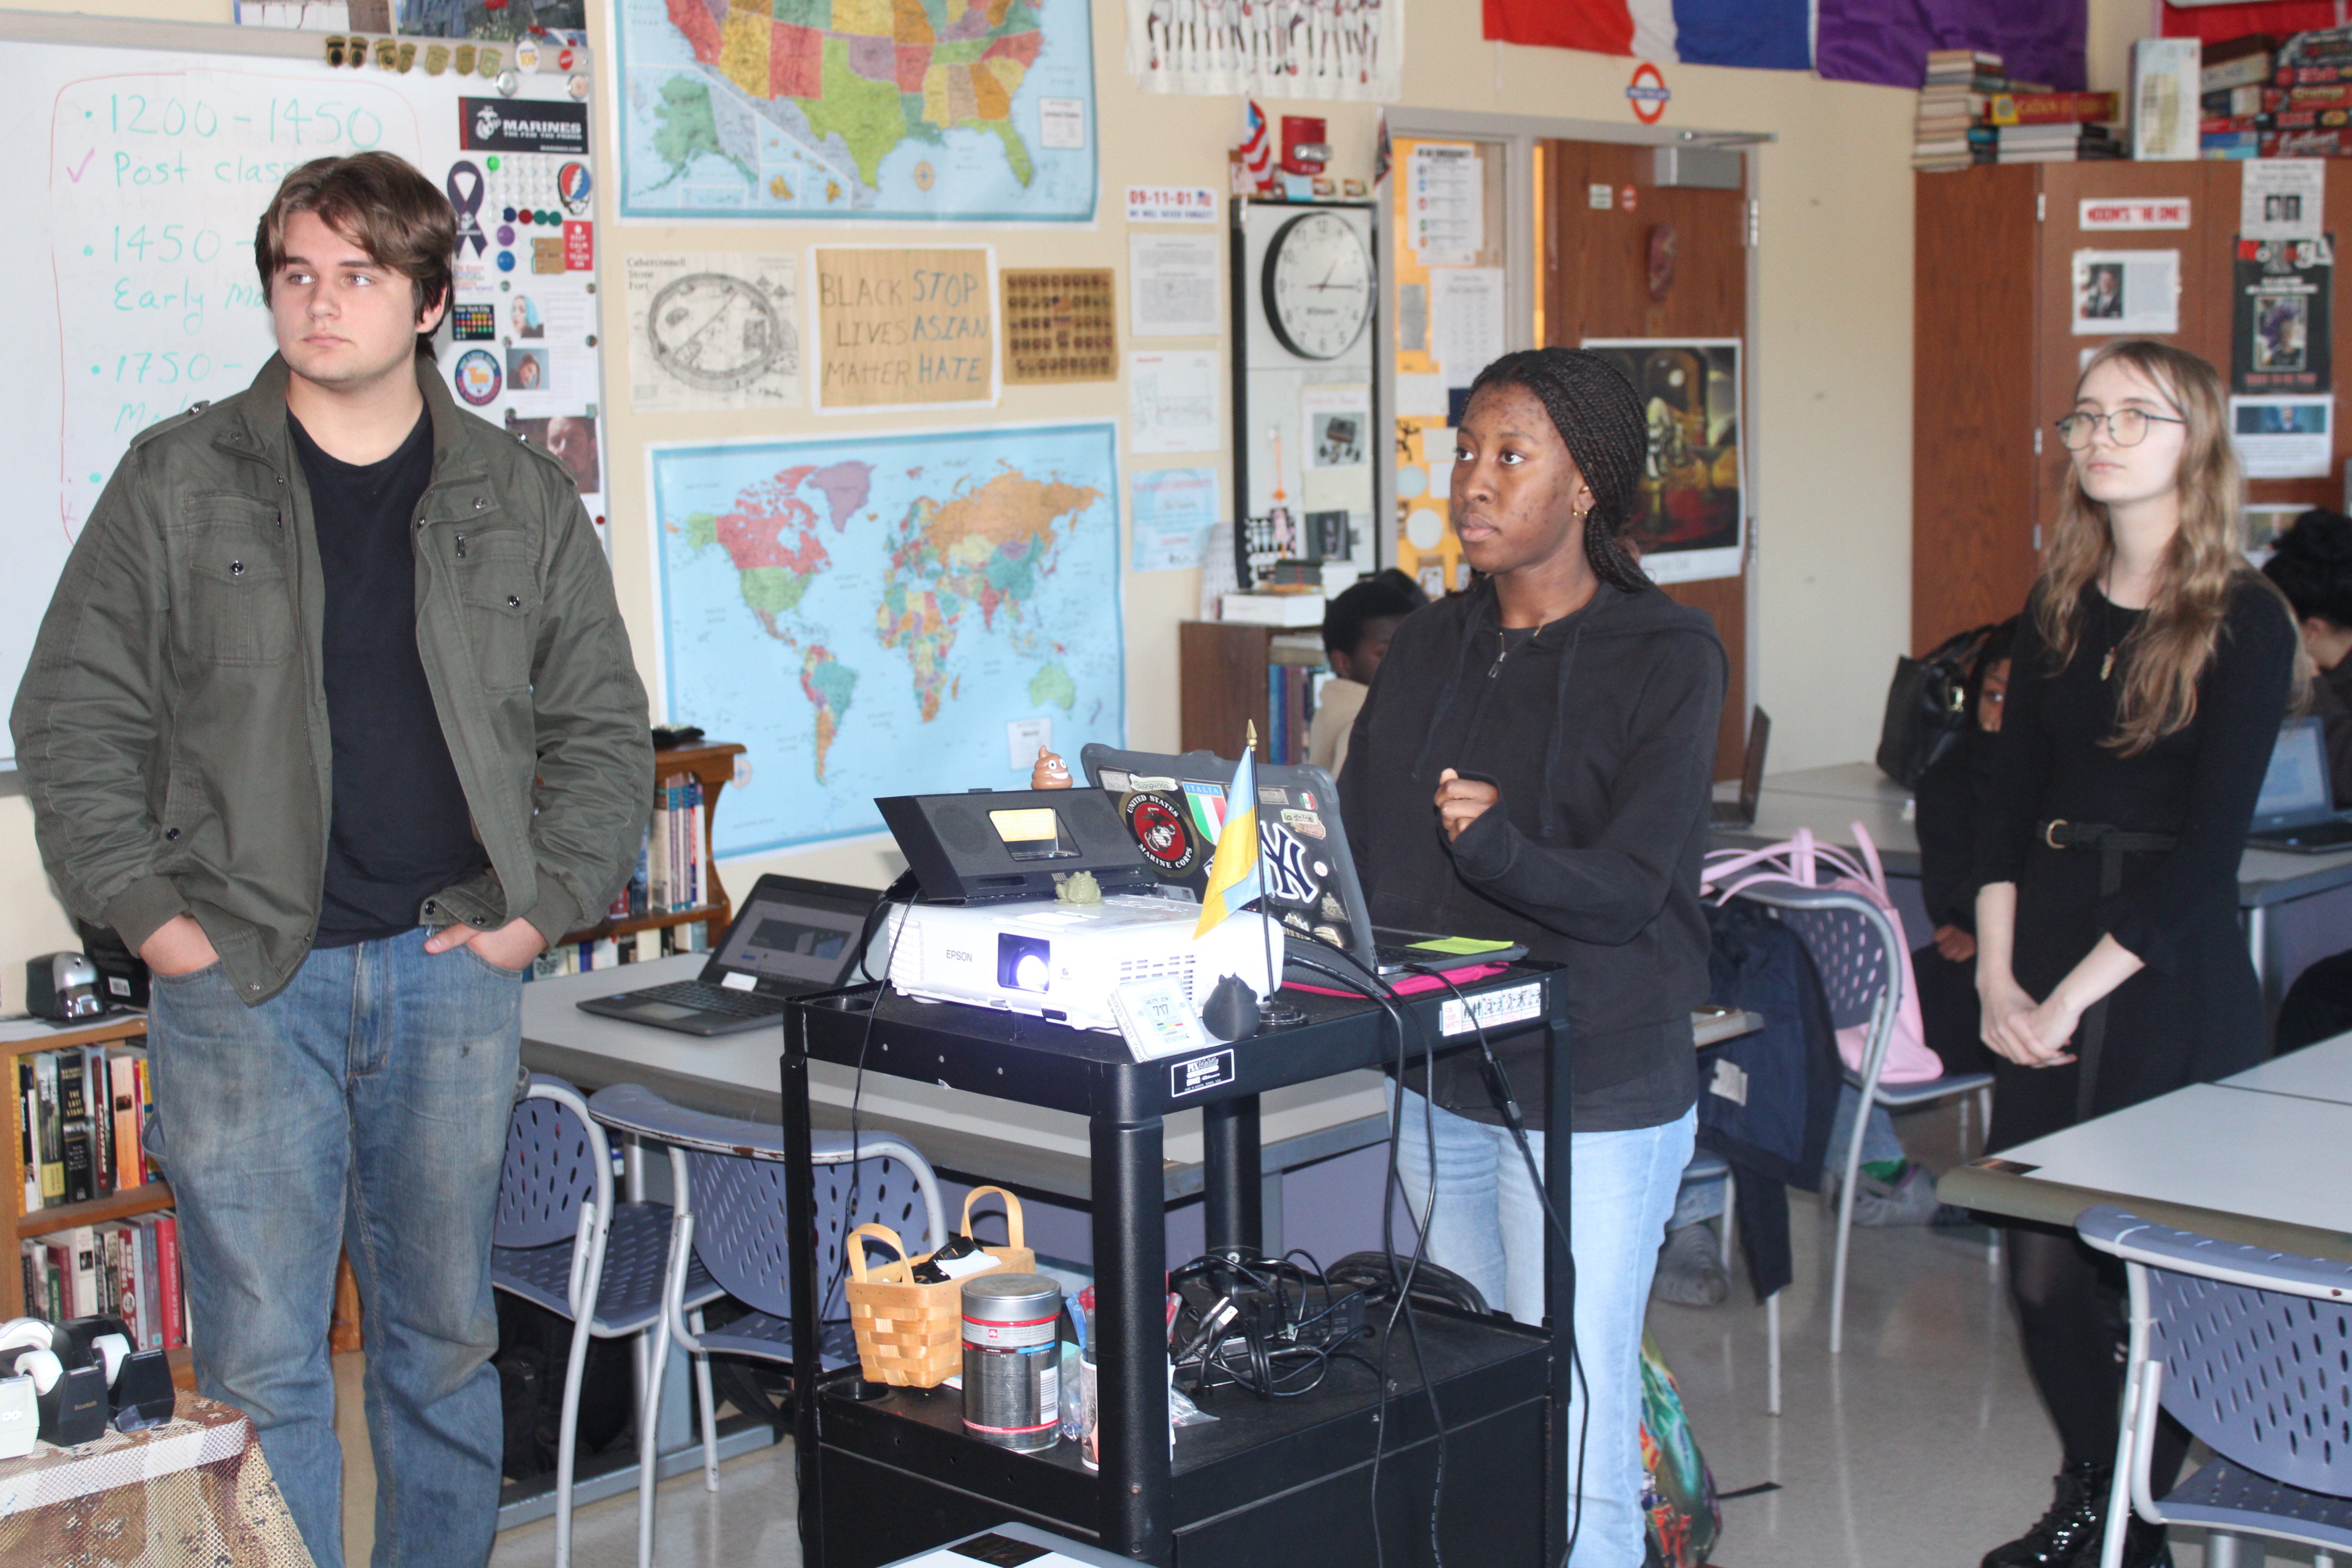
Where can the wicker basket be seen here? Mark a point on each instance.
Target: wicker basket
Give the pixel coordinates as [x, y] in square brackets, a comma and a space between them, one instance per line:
[910, 1335]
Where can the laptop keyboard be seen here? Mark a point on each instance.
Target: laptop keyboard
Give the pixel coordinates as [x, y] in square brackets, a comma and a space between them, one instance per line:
[714, 999]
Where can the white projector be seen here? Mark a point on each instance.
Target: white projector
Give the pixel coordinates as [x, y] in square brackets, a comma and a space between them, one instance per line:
[1063, 961]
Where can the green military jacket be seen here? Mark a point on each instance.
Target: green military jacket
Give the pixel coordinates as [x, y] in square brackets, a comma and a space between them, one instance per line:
[172, 727]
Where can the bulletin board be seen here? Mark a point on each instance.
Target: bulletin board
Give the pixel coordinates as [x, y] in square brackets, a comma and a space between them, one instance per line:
[149, 151]
[1448, 303]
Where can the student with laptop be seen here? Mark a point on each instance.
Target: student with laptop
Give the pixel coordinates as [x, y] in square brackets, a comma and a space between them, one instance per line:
[2312, 564]
[2151, 669]
[1534, 763]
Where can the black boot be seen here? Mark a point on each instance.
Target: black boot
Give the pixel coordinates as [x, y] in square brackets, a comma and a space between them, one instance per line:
[2078, 1509]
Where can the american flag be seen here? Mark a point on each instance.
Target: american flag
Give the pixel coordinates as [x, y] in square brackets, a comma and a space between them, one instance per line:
[1257, 148]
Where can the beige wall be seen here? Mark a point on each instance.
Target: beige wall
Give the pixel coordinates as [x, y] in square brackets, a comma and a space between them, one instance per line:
[1830, 331]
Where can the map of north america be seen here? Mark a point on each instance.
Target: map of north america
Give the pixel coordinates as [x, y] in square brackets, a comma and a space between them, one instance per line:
[867, 107]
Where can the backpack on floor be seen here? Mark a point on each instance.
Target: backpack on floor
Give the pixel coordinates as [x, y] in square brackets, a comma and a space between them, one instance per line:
[1678, 1488]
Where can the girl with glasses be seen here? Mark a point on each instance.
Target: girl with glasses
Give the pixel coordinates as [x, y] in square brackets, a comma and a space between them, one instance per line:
[2151, 671]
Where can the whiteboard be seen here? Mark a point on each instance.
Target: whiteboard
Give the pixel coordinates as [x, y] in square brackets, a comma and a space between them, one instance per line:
[146, 153]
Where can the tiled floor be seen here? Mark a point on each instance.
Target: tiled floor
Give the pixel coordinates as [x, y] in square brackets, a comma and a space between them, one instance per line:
[1921, 1447]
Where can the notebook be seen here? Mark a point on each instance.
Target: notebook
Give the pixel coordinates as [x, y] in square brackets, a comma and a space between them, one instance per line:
[789, 938]
[2296, 810]
[1174, 807]
[1741, 813]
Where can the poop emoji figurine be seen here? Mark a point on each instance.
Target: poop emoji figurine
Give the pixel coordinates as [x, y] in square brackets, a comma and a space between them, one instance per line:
[1051, 772]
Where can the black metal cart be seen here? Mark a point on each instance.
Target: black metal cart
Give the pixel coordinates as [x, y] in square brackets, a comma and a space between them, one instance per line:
[1285, 1483]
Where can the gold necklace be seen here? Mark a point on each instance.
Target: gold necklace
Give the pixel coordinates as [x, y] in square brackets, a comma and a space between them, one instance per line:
[2107, 664]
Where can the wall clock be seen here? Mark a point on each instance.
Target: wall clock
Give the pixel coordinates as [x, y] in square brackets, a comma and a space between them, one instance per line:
[1315, 287]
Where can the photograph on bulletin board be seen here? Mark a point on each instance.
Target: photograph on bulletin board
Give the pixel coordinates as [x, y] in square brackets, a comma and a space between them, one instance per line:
[2280, 336]
[1690, 509]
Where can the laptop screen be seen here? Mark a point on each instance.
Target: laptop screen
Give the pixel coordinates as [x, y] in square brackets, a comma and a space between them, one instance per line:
[2296, 785]
[784, 938]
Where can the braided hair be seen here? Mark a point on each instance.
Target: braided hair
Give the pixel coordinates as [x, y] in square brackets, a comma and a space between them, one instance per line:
[1598, 415]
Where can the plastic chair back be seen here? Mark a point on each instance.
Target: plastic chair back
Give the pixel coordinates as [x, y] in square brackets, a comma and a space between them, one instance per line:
[2257, 1358]
[1850, 956]
[739, 1220]
[550, 1169]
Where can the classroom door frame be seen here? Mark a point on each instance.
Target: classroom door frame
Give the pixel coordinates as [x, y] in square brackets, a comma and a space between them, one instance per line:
[1518, 135]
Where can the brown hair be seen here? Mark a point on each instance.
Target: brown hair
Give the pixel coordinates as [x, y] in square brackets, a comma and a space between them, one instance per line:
[2167, 654]
[380, 203]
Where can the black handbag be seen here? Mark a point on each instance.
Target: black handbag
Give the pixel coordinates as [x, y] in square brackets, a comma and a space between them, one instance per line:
[1926, 707]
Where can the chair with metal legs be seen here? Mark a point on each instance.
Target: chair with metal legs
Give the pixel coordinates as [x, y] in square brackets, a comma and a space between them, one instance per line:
[1860, 960]
[2251, 1349]
[727, 1195]
[561, 1241]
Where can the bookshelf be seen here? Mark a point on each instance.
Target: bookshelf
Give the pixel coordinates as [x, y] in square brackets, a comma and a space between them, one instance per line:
[120, 1027]
[714, 764]
[1995, 359]
[1224, 685]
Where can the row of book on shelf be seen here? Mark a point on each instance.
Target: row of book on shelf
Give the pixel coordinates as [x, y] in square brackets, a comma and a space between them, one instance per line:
[2248, 97]
[605, 951]
[129, 1267]
[84, 1110]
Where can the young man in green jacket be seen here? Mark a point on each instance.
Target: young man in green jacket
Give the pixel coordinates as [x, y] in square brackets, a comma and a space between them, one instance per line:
[334, 718]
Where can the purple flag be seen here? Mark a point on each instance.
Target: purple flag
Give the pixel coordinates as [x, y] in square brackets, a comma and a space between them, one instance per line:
[1886, 41]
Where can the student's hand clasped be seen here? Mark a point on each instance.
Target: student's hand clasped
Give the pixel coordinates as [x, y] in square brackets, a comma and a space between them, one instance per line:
[2030, 1034]
[1460, 802]
[513, 946]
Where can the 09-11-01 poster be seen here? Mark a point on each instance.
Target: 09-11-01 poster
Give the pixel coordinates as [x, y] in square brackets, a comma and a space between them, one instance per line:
[2280, 314]
[1690, 514]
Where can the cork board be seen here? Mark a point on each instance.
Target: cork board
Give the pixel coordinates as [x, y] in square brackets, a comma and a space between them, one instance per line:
[1060, 324]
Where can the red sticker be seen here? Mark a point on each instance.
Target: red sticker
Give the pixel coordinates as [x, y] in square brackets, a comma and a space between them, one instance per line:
[1158, 825]
[579, 246]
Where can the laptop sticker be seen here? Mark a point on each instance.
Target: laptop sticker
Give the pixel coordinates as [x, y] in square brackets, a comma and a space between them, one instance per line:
[1284, 862]
[1208, 803]
[1305, 822]
[1157, 824]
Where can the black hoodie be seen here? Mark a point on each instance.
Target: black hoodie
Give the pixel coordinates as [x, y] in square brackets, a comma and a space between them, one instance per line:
[1600, 730]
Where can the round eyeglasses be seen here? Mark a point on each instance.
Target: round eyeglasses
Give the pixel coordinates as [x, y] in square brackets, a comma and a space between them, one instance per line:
[2126, 427]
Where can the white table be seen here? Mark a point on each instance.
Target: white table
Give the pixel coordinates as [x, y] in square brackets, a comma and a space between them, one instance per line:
[2321, 1071]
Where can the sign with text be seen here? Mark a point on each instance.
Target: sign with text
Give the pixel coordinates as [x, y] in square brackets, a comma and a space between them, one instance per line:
[2135, 211]
[905, 327]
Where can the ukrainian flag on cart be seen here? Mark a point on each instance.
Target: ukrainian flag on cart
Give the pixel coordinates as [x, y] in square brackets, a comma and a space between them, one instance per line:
[1234, 876]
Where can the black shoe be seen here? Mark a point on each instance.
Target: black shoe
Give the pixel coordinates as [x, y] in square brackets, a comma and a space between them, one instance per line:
[2144, 1547]
[2073, 1526]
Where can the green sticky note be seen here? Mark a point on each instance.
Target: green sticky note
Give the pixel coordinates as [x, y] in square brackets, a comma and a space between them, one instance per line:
[1458, 946]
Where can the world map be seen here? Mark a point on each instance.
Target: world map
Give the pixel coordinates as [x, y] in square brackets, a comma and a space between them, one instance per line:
[869, 614]
[974, 110]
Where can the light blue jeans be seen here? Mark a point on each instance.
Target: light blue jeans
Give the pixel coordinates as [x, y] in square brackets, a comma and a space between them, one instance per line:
[1488, 1227]
[367, 1103]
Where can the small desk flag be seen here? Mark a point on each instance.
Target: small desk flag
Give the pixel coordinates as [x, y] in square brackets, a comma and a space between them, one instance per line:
[1234, 876]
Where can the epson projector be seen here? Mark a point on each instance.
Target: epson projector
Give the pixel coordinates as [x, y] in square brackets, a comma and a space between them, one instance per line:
[1063, 961]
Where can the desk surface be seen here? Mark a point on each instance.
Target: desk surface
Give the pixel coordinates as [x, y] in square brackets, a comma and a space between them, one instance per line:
[1827, 799]
[2233, 1161]
[2322, 1071]
[1046, 1151]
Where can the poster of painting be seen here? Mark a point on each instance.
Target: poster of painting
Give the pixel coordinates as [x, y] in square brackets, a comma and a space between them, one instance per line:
[1690, 515]
[2281, 301]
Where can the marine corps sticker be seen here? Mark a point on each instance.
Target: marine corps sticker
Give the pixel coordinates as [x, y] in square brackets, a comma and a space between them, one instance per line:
[1158, 826]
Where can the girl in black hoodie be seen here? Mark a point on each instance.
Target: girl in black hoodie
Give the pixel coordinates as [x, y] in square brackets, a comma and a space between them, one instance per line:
[1534, 762]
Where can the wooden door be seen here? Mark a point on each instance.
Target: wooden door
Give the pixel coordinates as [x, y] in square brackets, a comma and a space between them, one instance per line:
[1596, 284]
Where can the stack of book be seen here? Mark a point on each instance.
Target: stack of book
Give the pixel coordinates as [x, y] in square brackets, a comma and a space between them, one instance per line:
[2307, 102]
[2236, 103]
[129, 1268]
[1952, 104]
[2053, 127]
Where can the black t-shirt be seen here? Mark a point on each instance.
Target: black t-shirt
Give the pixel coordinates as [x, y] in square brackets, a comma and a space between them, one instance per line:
[400, 830]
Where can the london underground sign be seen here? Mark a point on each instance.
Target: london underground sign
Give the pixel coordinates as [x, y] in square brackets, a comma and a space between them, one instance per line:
[1649, 93]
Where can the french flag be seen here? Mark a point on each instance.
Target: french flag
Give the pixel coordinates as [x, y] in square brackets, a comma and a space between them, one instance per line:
[1772, 34]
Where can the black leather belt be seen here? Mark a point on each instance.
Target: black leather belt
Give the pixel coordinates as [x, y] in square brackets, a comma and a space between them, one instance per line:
[2111, 844]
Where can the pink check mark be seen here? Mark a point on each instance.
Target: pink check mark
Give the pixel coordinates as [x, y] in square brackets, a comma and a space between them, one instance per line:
[76, 175]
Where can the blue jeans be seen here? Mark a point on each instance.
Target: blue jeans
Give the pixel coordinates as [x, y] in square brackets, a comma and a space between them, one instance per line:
[1488, 1227]
[365, 1105]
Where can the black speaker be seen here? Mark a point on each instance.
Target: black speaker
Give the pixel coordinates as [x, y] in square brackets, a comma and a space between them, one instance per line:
[993, 845]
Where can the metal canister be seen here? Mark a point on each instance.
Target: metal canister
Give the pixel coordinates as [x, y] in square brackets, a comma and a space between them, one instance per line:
[1012, 1359]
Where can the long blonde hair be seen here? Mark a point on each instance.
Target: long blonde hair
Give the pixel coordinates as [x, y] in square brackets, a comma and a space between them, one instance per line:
[2167, 654]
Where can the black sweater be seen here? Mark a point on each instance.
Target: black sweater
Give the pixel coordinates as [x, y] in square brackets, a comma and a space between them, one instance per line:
[1601, 732]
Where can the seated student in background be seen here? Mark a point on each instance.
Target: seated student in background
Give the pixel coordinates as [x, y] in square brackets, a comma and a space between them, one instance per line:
[1358, 626]
[1535, 764]
[2312, 564]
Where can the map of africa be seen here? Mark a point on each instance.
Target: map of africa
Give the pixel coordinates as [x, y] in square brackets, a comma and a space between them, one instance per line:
[971, 109]
[867, 614]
